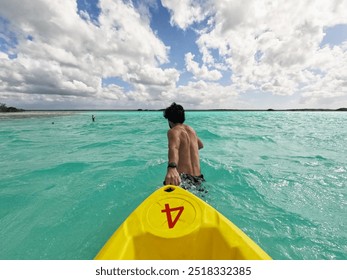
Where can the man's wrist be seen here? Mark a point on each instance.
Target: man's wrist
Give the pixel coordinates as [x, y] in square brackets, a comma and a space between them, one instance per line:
[172, 165]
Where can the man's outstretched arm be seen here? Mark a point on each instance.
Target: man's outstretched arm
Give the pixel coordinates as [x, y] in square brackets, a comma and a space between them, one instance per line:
[172, 176]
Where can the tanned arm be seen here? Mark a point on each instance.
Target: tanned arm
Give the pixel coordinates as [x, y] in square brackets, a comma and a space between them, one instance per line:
[172, 176]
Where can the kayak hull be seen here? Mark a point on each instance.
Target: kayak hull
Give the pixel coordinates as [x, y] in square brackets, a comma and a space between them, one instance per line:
[172, 223]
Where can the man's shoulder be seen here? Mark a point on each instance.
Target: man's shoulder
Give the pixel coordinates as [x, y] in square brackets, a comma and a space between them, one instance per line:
[172, 132]
[189, 128]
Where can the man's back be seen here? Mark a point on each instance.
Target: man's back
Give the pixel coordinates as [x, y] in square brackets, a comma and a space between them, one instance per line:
[184, 147]
[188, 148]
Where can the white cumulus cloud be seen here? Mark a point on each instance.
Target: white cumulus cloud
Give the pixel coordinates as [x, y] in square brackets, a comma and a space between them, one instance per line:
[53, 54]
[273, 46]
[186, 12]
[201, 72]
[59, 52]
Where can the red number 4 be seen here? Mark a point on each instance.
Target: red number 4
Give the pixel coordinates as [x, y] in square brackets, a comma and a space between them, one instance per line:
[168, 210]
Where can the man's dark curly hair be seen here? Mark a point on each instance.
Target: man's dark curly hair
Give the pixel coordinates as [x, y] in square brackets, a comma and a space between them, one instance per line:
[175, 113]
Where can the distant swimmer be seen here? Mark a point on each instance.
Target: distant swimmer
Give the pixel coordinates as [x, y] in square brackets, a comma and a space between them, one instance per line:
[93, 118]
[183, 154]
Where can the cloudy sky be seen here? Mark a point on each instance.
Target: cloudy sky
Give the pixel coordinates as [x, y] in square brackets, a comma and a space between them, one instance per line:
[203, 54]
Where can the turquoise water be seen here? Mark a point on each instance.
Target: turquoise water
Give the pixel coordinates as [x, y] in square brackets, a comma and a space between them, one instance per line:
[280, 176]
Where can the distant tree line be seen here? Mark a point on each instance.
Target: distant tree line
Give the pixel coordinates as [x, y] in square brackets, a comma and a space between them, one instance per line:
[4, 108]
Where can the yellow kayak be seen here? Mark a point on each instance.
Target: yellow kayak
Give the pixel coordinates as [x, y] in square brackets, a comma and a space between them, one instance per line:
[172, 223]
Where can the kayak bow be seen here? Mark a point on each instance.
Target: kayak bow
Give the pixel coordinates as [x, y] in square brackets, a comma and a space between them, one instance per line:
[172, 223]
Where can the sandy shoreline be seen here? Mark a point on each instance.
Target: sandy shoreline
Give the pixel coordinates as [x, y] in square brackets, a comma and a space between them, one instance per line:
[34, 114]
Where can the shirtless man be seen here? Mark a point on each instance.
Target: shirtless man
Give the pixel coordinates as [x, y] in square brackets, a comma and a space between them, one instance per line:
[184, 145]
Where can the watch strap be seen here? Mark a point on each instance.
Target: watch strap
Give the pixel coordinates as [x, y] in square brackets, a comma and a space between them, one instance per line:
[172, 165]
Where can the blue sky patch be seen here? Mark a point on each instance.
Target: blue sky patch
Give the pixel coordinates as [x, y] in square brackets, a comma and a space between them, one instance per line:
[179, 41]
[116, 81]
[91, 7]
[335, 35]
[8, 39]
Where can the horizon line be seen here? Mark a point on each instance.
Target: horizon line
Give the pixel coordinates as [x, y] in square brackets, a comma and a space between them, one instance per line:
[153, 110]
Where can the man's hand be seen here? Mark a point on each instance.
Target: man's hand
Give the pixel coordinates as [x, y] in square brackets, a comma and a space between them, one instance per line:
[172, 177]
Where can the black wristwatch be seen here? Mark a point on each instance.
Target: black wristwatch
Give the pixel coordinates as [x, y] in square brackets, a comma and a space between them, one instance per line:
[172, 165]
